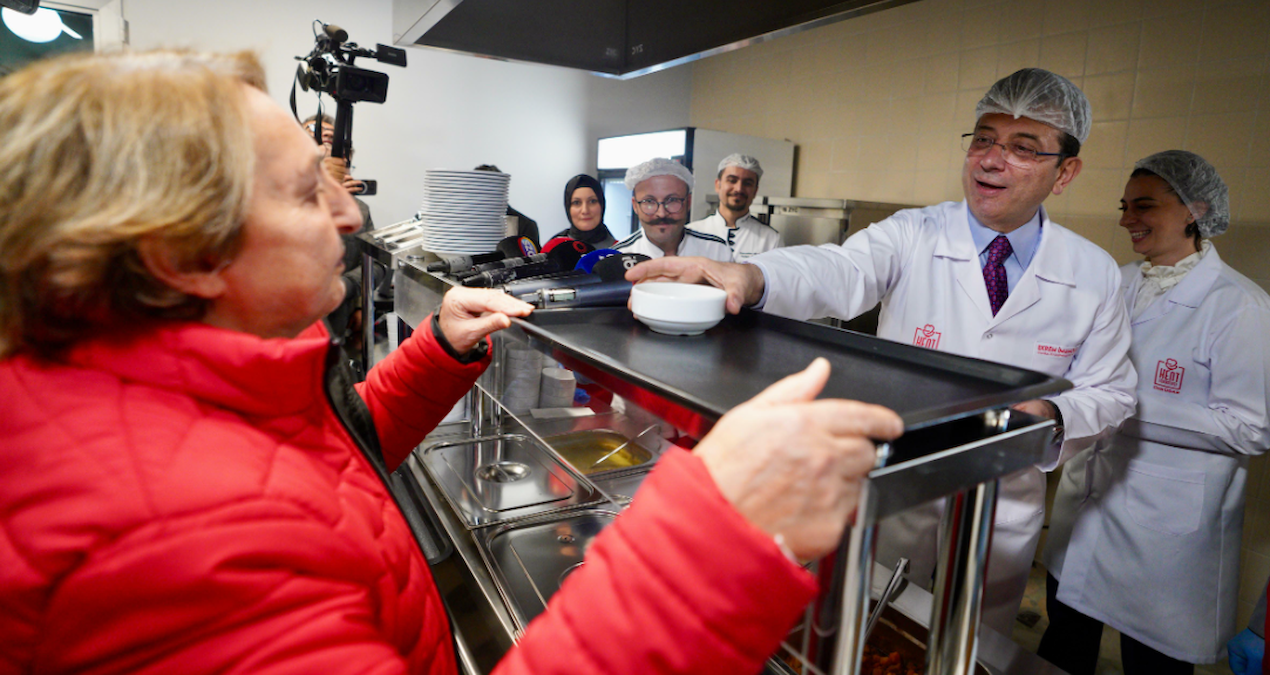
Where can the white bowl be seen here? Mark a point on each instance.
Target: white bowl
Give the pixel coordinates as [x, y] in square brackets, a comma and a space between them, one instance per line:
[678, 309]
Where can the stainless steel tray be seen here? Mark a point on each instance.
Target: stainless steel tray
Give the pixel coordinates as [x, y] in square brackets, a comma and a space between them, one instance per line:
[531, 560]
[502, 478]
[695, 380]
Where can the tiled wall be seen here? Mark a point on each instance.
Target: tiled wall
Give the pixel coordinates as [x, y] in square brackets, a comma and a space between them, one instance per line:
[876, 105]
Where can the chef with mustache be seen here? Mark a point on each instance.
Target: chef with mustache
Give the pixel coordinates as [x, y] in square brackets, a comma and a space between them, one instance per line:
[661, 194]
[990, 277]
[737, 185]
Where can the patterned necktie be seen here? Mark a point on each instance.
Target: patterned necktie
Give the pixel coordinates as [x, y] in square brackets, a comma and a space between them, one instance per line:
[994, 272]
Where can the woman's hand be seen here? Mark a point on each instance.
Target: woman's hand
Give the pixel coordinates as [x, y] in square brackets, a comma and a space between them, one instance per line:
[792, 465]
[744, 283]
[467, 315]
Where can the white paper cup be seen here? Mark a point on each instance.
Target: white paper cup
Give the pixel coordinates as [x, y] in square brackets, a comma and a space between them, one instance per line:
[557, 388]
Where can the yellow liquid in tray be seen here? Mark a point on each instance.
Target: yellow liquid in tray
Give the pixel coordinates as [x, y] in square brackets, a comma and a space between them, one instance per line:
[585, 449]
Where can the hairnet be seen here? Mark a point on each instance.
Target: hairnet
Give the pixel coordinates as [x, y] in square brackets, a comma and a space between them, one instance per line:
[1042, 96]
[742, 162]
[1195, 181]
[657, 166]
[583, 181]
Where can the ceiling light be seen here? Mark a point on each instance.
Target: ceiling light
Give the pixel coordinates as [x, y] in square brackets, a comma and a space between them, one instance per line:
[43, 26]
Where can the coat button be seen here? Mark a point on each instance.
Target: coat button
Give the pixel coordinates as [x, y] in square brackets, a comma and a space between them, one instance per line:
[988, 336]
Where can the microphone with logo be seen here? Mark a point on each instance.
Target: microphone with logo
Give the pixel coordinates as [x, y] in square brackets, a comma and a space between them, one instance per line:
[612, 289]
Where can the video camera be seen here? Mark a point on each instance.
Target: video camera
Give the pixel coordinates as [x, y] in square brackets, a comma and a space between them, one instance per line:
[329, 69]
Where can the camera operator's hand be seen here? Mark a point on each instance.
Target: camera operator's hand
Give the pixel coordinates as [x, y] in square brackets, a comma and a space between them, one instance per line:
[338, 168]
[353, 185]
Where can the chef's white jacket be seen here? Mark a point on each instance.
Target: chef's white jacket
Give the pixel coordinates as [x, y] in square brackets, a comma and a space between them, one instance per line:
[693, 243]
[1065, 317]
[749, 238]
[1145, 533]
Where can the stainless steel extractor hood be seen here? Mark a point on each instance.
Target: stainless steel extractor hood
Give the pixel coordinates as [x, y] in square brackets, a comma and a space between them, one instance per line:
[615, 38]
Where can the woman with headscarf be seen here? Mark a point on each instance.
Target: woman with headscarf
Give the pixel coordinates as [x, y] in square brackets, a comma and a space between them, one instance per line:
[584, 206]
[1145, 533]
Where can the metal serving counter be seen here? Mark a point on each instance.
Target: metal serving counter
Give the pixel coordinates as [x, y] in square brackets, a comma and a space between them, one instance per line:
[960, 436]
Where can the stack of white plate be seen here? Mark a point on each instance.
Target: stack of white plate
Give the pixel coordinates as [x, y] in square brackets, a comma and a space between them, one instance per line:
[463, 211]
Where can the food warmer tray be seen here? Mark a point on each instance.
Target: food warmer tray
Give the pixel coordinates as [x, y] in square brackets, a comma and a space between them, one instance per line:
[711, 373]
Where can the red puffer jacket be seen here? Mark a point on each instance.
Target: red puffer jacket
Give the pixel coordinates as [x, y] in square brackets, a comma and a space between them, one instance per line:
[188, 500]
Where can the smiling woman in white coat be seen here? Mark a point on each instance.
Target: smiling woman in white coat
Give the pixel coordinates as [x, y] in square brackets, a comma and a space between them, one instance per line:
[1145, 532]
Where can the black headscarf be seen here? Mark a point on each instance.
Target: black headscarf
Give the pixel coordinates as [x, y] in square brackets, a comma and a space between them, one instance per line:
[601, 233]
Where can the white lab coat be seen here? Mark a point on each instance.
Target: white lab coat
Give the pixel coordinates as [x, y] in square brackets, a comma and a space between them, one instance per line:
[1145, 532]
[693, 243]
[1064, 317]
[749, 238]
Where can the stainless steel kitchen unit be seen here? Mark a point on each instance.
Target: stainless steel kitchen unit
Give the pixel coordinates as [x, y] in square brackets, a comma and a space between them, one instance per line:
[511, 551]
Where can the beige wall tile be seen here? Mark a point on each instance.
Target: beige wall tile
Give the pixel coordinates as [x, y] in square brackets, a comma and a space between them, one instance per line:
[1062, 16]
[1250, 199]
[964, 116]
[1113, 48]
[1106, 12]
[812, 184]
[1256, 478]
[938, 151]
[1017, 55]
[1254, 568]
[1164, 92]
[899, 155]
[1233, 86]
[1245, 248]
[1156, 8]
[939, 34]
[892, 44]
[880, 79]
[845, 153]
[1092, 228]
[842, 185]
[936, 112]
[981, 27]
[1064, 54]
[1150, 136]
[814, 157]
[1105, 147]
[852, 85]
[1235, 31]
[908, 80]
[1110, 96]
[1021, 19]
[978, 68]
[1095, 192]
[1225, 140]
[941, 73]
[930, 187]
[1170, 40]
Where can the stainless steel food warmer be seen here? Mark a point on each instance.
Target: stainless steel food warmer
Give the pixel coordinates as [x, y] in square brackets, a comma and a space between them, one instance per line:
[516, 500]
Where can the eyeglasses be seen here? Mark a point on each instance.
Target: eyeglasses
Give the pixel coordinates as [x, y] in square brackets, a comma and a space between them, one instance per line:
[1018, 154]
[672, 205]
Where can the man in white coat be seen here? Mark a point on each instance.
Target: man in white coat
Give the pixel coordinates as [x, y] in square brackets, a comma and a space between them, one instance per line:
[661, 194]
[990, 277]
[737, 185]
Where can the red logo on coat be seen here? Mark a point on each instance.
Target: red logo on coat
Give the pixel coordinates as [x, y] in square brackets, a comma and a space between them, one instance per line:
[927, 337]
[1168, 376]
